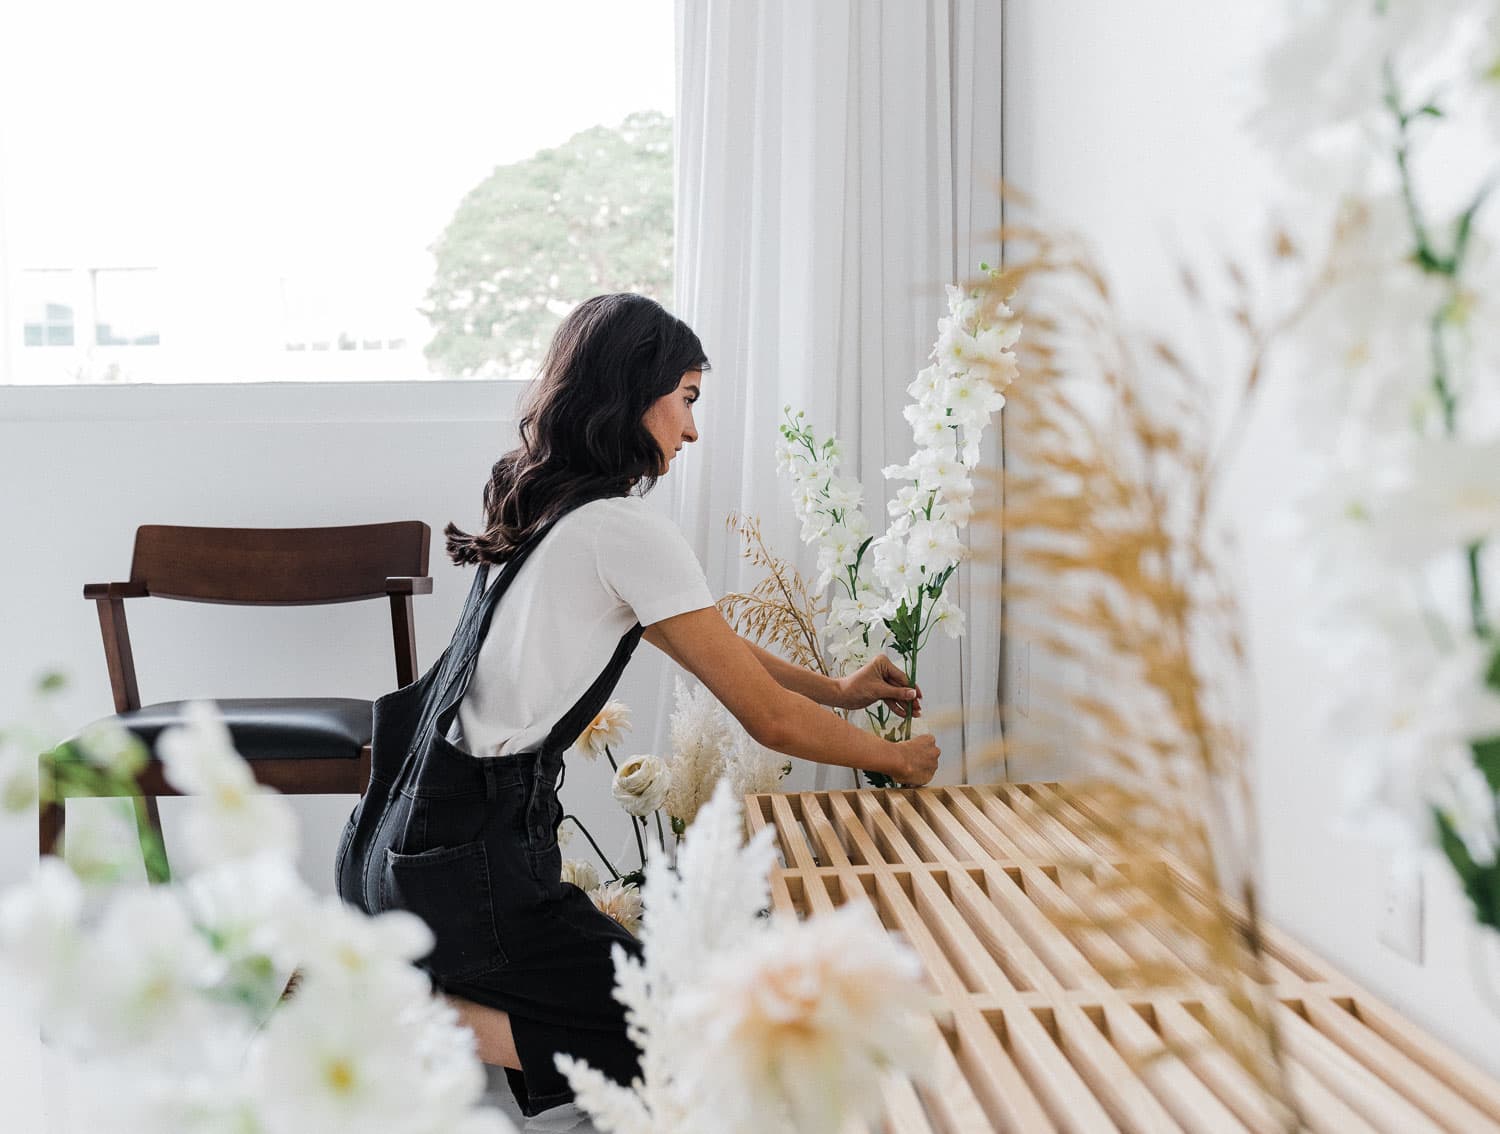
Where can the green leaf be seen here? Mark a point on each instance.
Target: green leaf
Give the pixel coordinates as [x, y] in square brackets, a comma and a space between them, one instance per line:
[1429, 111]
[1492, 675]
[1480, 883]
[878, 779]
[1487, 757]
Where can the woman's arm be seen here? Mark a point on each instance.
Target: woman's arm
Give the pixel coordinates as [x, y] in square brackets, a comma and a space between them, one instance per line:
[878, 680]
[778, 717]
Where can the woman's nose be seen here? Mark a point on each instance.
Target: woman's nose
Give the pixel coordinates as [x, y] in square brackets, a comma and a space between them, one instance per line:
[690, 433]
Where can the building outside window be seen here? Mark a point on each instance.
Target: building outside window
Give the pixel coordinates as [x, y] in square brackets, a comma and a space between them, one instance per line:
[48, 308]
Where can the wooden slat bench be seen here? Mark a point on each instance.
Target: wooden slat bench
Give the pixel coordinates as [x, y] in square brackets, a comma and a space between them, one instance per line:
[1037, 1032]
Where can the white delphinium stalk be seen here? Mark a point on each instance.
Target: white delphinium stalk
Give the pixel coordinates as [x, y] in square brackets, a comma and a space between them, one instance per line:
[232, 816]
[890, 586]
[746, 1023]
[1400, 398]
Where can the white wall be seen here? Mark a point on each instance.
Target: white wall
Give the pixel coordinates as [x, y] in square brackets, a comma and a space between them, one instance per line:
[1122, 121]
[81, 468]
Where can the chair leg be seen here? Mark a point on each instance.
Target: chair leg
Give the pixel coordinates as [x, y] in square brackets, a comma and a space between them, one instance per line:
[51, 818]
[153, 846]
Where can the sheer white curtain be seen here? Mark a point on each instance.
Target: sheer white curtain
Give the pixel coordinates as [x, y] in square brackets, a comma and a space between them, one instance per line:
[837, 164]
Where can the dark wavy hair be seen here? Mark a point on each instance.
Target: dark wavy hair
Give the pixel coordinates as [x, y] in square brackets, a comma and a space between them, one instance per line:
[581, 431]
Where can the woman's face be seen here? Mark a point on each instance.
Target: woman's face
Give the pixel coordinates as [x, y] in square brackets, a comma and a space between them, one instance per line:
[669, 419]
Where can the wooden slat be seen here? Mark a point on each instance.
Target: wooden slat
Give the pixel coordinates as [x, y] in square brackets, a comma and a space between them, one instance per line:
[1026, 925]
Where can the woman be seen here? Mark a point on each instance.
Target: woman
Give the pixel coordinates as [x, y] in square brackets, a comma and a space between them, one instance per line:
[466, 837]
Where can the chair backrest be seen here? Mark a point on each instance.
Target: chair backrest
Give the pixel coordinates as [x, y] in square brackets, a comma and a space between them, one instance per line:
[277, 566]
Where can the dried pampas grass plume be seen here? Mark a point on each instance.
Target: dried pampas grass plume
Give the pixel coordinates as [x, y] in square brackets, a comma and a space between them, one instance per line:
[1114, 571]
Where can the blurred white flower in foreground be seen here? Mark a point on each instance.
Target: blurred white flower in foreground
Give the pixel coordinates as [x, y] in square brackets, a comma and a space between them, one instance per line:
[747, 1023]
[808, 1015]
[234, 817]
[165, 1004]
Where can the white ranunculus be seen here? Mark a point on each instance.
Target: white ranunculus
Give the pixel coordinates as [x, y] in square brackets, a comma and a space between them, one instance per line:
[620, 901]
[801, 1022]
[641, 785]
[605, 730]
[582, 874]
[232, 816]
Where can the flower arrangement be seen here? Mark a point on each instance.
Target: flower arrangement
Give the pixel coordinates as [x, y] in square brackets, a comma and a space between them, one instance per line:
[890, 586]
[170, 1003]
[748, 1024]
[707, 744]
[1401, 345]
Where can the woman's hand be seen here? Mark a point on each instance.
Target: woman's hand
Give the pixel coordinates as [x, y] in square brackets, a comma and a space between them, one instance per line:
[916, 760]
[880, 679]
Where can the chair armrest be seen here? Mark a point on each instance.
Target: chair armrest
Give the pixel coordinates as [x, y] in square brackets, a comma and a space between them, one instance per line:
[115, 590]
[408, 585]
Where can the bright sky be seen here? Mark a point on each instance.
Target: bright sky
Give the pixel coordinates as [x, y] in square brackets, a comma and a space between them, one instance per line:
[309, 132]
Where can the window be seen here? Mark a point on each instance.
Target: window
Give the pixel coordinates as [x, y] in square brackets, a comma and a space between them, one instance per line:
[393, 192]
[47, 308]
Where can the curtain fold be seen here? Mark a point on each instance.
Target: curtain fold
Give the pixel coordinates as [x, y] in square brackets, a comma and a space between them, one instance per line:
[837, 164]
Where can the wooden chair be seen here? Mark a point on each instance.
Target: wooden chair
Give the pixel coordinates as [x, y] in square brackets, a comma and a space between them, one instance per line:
[300, 746]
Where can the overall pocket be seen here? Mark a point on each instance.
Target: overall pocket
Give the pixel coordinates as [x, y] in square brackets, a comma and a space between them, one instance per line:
[449, 889]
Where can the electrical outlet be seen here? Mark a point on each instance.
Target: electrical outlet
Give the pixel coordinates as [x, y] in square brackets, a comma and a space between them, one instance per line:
[1401, 908]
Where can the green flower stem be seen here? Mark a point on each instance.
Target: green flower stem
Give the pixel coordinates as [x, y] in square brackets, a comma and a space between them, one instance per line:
[1477, 614]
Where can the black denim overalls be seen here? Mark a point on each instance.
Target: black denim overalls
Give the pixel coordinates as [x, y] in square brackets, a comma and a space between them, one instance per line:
[469, 845]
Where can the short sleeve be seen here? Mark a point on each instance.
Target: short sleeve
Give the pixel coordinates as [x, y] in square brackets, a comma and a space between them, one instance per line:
[648, 564]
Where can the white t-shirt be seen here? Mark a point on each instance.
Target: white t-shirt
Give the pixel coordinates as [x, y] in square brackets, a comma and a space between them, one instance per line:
[602, 568]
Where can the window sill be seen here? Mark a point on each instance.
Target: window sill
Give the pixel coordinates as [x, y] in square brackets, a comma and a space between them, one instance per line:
[429, 401]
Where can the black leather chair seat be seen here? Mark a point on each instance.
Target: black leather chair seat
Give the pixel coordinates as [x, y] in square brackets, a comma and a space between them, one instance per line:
[288, 728]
